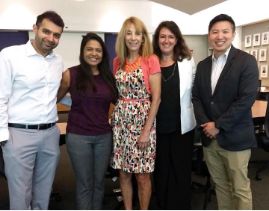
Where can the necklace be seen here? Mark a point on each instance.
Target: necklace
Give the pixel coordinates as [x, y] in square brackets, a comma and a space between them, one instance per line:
[130, 66]
[171, 75]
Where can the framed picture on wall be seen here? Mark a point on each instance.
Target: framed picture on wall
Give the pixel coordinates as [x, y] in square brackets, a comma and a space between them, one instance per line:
[254, 52]
[262, 54]
[256, 39]
[265, 38]
[247, 41]
[264, 71]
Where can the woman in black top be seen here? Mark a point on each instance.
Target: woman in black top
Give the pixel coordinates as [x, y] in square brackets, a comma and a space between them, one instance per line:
[175, 119]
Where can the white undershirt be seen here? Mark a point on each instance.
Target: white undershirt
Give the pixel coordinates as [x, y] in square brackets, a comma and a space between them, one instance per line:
[217, 67]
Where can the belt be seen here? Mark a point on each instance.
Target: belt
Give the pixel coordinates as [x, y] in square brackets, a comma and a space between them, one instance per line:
[34, 127]
[134, 99]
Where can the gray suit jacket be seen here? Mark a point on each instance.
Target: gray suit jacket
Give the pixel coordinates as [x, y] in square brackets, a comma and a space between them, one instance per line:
[230, 104]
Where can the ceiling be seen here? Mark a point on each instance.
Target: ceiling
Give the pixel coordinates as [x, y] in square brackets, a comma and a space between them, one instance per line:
[189, 6]
[107, 15]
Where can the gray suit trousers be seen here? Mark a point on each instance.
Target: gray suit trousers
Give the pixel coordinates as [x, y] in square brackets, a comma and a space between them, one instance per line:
[31, 158]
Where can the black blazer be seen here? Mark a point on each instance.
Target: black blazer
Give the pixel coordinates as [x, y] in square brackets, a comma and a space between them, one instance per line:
[230, 104]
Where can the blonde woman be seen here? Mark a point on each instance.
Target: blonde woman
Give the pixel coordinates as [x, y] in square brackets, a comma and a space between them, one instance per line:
[138, 79]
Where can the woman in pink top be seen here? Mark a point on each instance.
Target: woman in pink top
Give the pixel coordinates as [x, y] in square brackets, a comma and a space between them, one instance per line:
[138, 79]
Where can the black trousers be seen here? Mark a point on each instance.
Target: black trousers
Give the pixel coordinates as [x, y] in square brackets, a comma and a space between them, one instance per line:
[172, 174]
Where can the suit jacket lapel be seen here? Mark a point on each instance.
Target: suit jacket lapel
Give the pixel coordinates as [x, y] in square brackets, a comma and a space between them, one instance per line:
[208, 70]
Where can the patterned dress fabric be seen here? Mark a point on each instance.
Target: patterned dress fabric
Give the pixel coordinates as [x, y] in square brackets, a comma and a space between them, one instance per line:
[128, 119]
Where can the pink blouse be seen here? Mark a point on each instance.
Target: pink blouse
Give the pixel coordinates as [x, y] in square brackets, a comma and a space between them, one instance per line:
[150, 65]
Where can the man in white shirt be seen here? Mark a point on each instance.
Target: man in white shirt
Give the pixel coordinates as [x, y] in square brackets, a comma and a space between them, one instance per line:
[30, 76]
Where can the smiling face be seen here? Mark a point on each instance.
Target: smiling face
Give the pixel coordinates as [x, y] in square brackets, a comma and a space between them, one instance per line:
[93, 53]
[167, 41]
[47, 36]
[220, 37]
[133, 39]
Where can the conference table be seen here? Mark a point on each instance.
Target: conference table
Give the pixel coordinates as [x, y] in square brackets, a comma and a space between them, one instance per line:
[61, 110]
[258, 112]
[62, 127]
[264, 89]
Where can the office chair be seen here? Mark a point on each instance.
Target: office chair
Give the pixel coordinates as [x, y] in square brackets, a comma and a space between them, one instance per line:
[113, 175]
[260, 94]
[55, 195]
[63, 111]
[114, 192]
[199, 168]
[2, 166]
[262, 136]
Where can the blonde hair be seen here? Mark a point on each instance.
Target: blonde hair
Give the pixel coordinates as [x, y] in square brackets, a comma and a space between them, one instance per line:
[121, 48]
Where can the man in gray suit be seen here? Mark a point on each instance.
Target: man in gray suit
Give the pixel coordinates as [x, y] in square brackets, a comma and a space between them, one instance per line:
[224, 91]
[30, 76]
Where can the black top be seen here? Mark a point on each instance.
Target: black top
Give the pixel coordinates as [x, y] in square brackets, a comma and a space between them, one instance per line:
[168, 116]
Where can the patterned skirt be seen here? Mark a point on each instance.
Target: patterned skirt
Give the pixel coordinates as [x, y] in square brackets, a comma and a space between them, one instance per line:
[128, 120]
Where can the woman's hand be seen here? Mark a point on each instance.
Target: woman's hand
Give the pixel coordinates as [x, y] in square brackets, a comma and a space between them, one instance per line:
[143, 141]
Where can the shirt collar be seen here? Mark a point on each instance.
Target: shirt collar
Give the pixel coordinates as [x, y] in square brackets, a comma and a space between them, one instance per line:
[225, 54]
[30, 50]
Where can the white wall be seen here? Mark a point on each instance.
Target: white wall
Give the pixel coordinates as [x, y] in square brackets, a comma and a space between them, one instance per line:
[198, 44]
[108, 15]
[89, 15]
[69, 47]
[238, 37]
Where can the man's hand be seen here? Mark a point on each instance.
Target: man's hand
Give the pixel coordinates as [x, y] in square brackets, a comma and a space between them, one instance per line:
[210, 129]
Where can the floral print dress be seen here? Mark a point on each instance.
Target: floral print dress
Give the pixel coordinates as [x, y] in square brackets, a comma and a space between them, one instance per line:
[128, 119]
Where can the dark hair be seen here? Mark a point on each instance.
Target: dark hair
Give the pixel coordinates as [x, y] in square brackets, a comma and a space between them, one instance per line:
[84, 76]
[221, 17]
[181, 49]
[52, 16]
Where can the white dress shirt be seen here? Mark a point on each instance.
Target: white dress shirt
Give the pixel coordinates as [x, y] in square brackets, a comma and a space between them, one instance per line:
[217, 67]
[28, 87]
